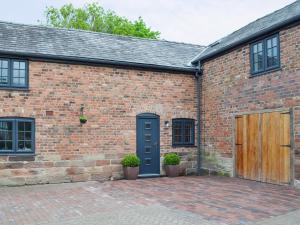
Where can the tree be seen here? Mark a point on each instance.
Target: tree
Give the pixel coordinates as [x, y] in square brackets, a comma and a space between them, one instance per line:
[94, 18]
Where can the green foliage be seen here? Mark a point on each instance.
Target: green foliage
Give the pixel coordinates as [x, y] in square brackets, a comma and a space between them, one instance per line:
[93, 17]
[131, 160]
[210, 157]
[171, 159]
[83, 119]
[223, 173]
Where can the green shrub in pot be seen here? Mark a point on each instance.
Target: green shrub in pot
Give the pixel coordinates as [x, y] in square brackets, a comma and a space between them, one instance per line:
[131, 164]
[171, 162]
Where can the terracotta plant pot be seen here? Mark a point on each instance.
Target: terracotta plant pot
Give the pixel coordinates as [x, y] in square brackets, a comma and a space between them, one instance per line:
[172, 170]
[131, 173]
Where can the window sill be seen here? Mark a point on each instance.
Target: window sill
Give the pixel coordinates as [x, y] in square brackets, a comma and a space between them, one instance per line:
[14, 89]
[265, 72]
[16, 154]
[19, 157]
[184, 146]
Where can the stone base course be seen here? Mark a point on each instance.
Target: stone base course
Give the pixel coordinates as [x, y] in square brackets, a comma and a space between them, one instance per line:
[89, 168]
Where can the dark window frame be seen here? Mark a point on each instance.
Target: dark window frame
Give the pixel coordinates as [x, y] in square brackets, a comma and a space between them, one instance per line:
[10, 74]
[265, 58]
[15, 139]
[182, 122]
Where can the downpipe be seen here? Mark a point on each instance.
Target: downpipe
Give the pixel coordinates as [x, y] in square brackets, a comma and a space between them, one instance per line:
[198, 76]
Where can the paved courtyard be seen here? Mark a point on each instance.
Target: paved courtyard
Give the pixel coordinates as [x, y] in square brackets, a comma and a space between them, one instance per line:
[163, 201]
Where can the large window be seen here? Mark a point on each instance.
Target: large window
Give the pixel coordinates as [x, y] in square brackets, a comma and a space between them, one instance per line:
[183, 132]
[16, 136]
[13, 73]
[265, 55]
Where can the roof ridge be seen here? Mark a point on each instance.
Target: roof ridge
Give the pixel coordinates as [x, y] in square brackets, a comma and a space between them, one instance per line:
[261, 26]
[273, 12]
[101, 33]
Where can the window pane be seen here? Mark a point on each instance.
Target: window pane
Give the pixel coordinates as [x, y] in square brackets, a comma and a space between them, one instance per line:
[28, 145]
[270, 52]
[260, 61]
[24, 145]
[3, 72]
[269, 43]
[27, 126]
[4, 76]
[21, 135]
[254, 48]
[4, 64]
[22, 73]
[27, 136]
[6, 131]
[16, 65]
[272, 59]
[22, 81]
[21, 145]
[16, 81]
[255, 67]
[22, 65]
[177, 132]
[5, 146]
[275, 51]
[260, 47]
[24, 126]
[274, 41]
[19, 73]
[16, 73]
[187, 132]
[255, 58]
[24, 136]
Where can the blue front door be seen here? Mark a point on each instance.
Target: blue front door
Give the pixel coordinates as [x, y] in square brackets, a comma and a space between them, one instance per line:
[148, 143]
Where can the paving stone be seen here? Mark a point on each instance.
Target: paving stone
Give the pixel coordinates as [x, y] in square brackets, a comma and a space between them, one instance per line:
[155, 201]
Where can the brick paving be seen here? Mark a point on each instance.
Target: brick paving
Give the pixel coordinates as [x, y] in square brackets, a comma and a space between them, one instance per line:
[180, 201]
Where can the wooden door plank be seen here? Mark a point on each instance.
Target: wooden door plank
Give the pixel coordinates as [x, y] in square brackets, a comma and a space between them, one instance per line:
[264, 146]
[285, 148]
[239, 146]
[245, 146]
[253, 147]
[274, 143]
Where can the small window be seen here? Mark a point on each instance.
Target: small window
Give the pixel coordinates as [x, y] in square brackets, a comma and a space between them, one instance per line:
[16, 136]
[183, 132]
[13, 73]
[265, 55]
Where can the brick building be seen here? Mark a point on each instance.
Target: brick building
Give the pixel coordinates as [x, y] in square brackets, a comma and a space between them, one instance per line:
[147, 96]
[250, 94]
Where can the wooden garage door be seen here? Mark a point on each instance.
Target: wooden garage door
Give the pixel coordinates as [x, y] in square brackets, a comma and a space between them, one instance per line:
[263, 147]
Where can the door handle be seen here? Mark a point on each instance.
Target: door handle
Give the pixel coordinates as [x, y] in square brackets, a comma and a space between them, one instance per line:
[285, 146]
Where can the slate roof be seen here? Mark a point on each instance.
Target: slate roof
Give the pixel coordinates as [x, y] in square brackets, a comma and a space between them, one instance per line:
[68, 44]
[264, 25]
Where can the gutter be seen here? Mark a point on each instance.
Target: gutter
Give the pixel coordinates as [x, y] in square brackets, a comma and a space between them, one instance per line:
[198, 76]
[247, 39]
[93, 61]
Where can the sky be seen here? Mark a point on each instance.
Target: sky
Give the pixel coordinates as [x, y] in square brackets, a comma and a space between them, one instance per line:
[190, 21]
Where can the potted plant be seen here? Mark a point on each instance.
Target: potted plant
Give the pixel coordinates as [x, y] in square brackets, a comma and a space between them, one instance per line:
[131, 166]
[171, 162]
[83, 119]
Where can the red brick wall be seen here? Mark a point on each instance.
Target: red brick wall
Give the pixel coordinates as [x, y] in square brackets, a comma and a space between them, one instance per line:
[228, 89]
[67, 151]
